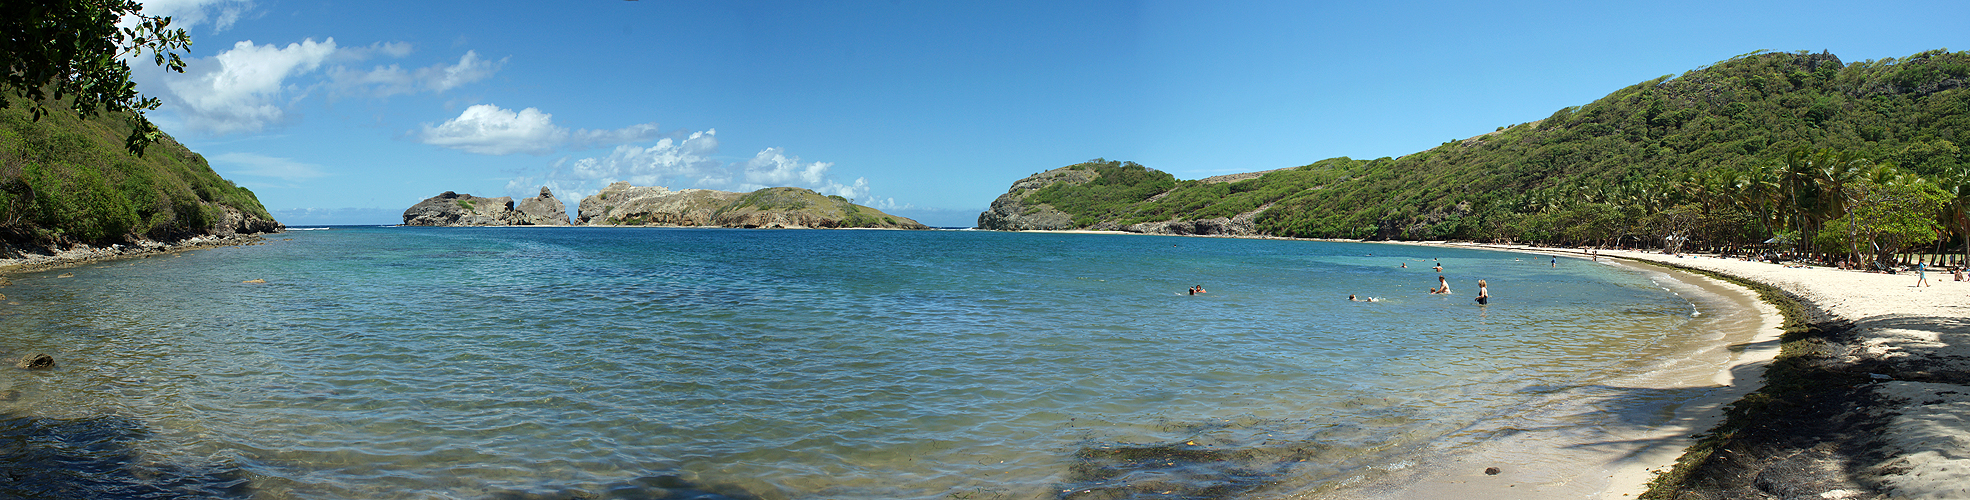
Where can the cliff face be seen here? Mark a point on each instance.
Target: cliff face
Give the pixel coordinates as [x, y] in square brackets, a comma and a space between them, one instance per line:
[621, 204]
[453, 209]
[1012, 212]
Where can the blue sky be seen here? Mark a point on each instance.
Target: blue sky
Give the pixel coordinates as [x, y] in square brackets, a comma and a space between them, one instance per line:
[348, 112]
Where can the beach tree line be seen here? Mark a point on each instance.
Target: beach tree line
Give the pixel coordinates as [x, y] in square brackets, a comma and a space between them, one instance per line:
[1768, 152]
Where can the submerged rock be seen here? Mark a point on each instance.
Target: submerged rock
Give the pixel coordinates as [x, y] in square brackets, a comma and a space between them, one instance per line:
[36, 361]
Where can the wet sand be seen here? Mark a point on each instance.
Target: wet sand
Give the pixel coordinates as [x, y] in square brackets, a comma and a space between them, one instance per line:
[1913, 343]
[1545, 452]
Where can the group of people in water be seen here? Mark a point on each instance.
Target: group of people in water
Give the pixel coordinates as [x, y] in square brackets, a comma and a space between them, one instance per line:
[1443, 285]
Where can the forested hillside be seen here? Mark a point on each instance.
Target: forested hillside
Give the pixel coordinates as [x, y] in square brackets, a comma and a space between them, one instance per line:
[1795, 146]
[67, 180]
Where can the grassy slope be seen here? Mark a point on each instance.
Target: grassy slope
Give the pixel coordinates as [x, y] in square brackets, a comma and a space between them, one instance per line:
[794, 199]
[1621, 152]
[68, 180]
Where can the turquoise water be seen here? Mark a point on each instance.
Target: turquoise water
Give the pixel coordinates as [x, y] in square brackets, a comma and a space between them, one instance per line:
[403, 362]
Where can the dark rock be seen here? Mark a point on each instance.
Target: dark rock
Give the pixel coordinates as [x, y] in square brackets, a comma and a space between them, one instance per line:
[1491, 471]
[454, 209]
[542, 210]
[36, 361]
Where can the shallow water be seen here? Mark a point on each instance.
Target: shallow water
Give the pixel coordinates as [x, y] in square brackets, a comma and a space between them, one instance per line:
[638, 363]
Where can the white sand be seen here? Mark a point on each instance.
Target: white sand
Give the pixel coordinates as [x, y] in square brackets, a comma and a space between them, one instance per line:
[1925, 328]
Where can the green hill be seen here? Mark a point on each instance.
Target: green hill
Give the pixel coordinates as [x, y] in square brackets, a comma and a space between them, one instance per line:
[1721, 155]
[65, 180]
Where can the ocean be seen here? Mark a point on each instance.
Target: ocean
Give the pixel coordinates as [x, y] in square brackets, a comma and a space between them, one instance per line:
[409, 362]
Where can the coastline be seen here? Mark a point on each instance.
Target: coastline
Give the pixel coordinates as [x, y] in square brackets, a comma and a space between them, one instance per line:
[1890, 363]
[31, 260]
[1873, 396]
[1546, 458]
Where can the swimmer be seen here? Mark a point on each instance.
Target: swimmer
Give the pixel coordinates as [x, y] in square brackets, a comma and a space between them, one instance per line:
[1443, 286]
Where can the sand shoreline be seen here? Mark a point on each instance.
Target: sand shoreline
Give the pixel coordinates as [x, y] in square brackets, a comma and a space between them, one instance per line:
[1912, 343]
[1918, 335]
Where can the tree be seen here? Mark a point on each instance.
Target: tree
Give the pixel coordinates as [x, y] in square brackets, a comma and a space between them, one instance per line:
[74, 52]
[1888, 210]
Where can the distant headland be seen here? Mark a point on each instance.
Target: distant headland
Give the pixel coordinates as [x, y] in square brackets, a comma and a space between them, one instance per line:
[622, 204]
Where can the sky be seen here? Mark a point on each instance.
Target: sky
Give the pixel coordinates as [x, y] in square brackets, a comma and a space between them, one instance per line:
[349, 112]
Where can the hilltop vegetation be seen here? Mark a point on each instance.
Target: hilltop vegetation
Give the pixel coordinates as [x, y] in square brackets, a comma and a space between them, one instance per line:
[1762, 145]
[65, 179]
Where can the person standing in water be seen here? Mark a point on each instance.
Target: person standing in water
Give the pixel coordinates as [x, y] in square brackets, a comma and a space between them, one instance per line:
[1556, 262]
[1443, 286]
[1484, 293]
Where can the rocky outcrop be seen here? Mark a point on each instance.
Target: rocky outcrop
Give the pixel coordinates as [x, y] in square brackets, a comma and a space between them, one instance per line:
[542, 210]
[1242, 225]
[454, 209]
[1011, 212]
[622, 204]
[234, 222]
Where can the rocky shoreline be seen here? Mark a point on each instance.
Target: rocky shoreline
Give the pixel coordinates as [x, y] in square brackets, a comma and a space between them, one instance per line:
[28, 260]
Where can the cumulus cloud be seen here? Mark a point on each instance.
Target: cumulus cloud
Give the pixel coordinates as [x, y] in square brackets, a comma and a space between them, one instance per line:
[241, 89]
[258, 165]
[772, 167]
[250, 87]
[690, 161]
[191, 13]
[490, 130]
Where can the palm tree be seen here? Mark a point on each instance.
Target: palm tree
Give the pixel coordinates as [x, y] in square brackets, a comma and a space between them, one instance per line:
[1956, 182]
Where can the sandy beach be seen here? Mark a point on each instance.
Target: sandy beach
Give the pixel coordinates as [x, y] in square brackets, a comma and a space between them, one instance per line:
[1914, 344]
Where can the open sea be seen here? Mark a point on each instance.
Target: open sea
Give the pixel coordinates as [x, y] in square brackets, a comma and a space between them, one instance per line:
[415, 363]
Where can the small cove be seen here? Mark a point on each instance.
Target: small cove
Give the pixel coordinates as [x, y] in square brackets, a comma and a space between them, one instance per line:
[418, 362]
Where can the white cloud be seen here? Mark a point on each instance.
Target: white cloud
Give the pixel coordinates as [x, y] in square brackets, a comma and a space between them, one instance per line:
[250, 87]
[190, 13]
[258, 165]
[355, 54]
[238, 90]
[490, 130]
[470, 68]
[772, 167]
[690, 162]
[385, 81]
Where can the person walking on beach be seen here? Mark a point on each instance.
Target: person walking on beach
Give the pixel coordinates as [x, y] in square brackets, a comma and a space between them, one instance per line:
[1484, 293]
[1921, 274]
